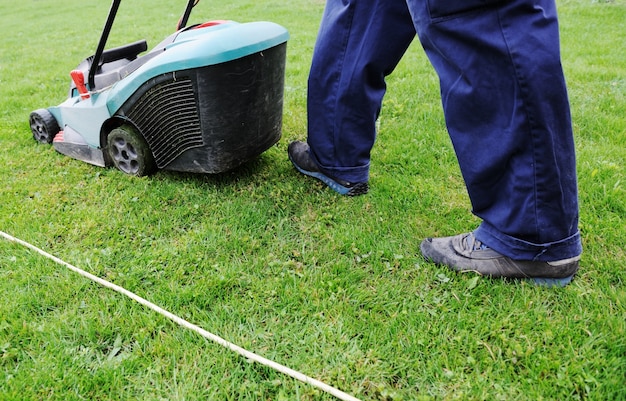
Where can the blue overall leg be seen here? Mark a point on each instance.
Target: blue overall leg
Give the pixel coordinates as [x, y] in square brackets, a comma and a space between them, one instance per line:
[507, 112]
[358, 44]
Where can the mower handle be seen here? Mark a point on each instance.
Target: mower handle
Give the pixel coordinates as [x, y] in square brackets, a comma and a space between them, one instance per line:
[103, 40]
[183, 20]
[101, 57]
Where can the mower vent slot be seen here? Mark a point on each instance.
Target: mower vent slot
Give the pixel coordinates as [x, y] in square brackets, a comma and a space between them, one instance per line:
[169, 119]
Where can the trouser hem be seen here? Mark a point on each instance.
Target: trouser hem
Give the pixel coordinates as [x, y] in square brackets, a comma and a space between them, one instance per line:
[518, 249]
[350, 174]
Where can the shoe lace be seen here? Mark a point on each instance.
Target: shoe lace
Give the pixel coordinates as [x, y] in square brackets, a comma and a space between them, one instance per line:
[472, 243]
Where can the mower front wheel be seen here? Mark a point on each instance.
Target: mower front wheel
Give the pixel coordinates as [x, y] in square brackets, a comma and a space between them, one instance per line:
[130, 152]
[43, 126]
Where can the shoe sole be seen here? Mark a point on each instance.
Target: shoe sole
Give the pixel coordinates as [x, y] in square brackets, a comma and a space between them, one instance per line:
[358, 189]
[552, 282]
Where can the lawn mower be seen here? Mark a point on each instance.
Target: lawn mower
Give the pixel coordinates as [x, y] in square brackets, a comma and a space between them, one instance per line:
[206, 99]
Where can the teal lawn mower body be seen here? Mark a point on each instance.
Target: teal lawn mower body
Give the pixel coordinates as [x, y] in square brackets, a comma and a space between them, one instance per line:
[206, 99]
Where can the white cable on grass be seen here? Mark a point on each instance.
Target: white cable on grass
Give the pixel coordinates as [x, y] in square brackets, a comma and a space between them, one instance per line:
[241, 351]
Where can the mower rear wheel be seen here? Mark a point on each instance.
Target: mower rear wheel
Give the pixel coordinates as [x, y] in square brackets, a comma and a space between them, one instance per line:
[130, 152]
[43, 126]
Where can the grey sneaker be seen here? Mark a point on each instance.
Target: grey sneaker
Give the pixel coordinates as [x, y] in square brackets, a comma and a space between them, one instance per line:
[465, 253]
[298, 152]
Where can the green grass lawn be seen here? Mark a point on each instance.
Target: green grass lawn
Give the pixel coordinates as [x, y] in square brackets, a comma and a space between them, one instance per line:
[331, 286]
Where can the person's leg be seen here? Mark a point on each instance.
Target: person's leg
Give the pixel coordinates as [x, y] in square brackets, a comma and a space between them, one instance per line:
[507, 112]
[358, 44]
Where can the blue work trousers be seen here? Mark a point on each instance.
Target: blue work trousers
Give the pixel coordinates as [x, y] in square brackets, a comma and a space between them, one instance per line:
[504, 99]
